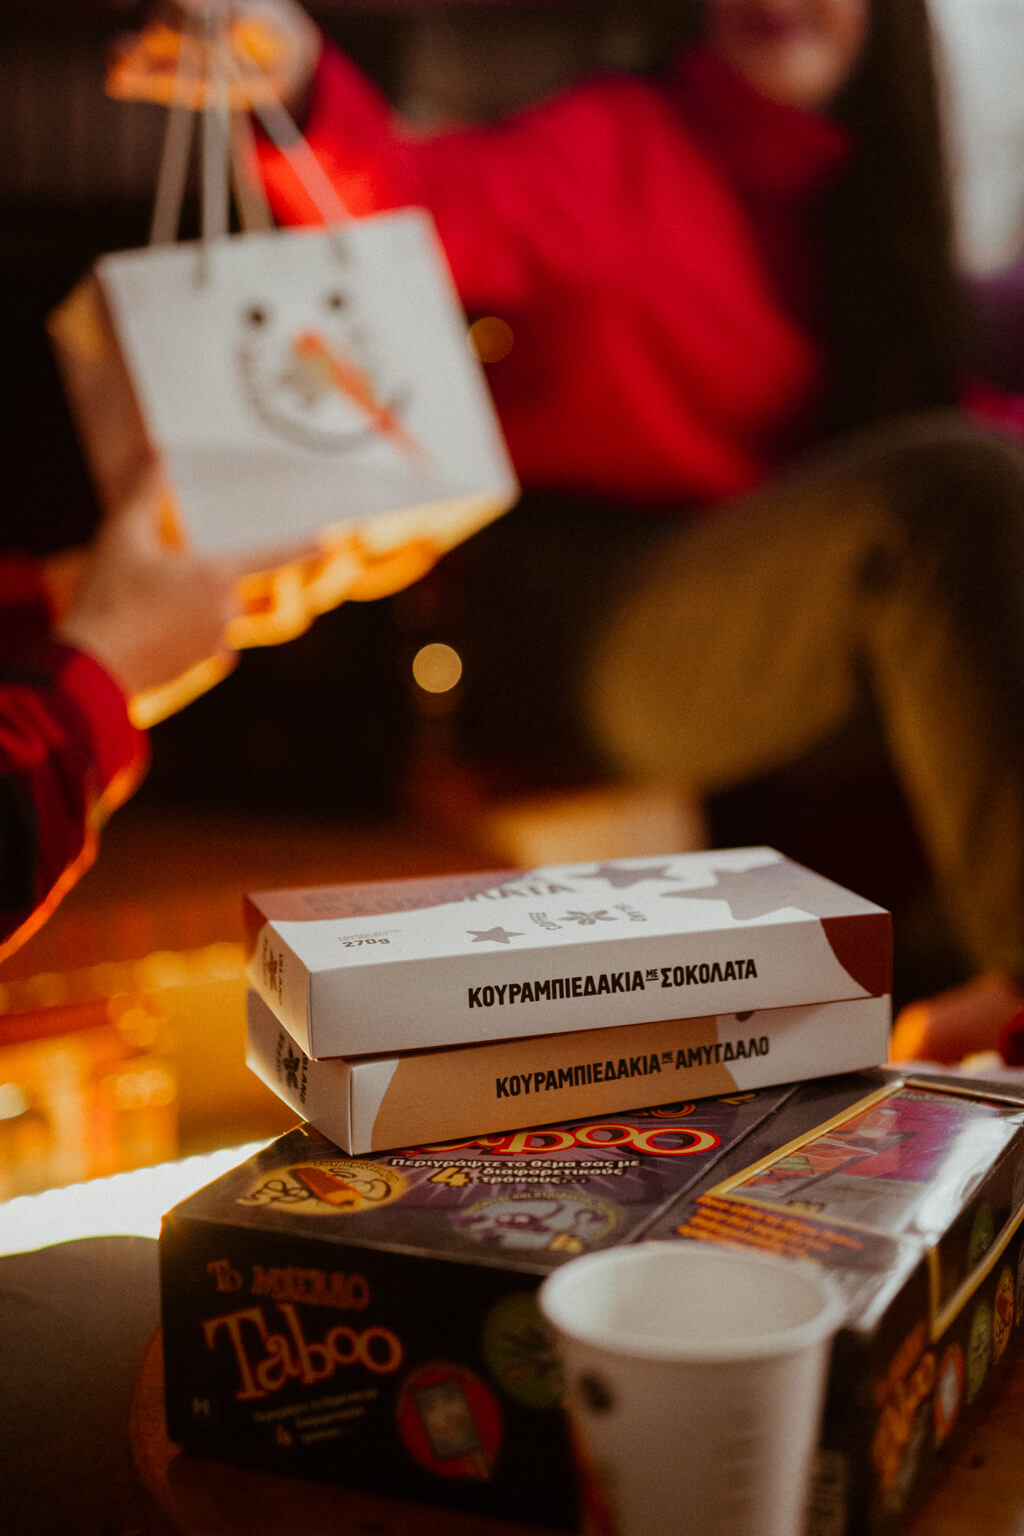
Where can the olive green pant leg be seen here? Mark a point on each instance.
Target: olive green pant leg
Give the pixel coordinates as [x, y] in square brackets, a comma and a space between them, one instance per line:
[893, 563]
[943, 637]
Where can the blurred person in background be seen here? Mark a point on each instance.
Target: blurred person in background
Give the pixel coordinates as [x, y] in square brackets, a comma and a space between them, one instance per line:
[81, 635]
[732, 354]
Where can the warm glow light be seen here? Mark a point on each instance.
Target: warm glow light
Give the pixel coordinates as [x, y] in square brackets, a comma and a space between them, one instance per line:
[138, 1025]
[128, 1203]
[148, 1088]
[437, 667]
[48, 989]
[490, 339]
[13, 1101]
[162, 968]
[122, 982]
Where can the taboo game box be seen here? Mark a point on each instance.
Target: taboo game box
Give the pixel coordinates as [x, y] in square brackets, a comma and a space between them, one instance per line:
[373, 1320]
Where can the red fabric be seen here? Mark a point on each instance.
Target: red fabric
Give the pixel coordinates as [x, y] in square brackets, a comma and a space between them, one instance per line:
[1011, 1042]
[652, 246]
[69, 755]
[993, 407]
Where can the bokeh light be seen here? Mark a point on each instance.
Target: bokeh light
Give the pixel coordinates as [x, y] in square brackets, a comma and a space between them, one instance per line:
[490, 338]
[437, 667]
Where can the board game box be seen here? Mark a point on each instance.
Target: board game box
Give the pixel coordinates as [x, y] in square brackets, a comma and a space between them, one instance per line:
[369, 1103]
[373, 1320]
[356, 969]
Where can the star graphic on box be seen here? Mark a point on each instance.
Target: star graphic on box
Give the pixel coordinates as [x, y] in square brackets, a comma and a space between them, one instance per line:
[768, 888]
[493, 935]
[620, 878]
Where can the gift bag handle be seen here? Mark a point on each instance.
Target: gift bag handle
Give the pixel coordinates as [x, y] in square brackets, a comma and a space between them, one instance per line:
[173, 173]
[227, 143]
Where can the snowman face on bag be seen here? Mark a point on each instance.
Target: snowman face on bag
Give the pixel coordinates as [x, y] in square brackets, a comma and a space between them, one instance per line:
[307, 371]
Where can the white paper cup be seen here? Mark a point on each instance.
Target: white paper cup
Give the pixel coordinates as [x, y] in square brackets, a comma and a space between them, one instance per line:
[694, 1382]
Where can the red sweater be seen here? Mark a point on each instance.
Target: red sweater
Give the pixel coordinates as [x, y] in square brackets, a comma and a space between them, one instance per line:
[69, 755]
[651, 245]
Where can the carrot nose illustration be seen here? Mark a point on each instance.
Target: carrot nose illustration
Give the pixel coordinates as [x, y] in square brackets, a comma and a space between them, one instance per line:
[349, 379]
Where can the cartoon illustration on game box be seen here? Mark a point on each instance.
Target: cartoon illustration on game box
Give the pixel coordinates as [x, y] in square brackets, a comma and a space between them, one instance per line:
[450, 1421]
[877, 1167]
[327, 1186]
[566, 1223]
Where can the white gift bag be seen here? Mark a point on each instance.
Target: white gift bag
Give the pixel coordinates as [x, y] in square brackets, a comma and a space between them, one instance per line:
[301, 387]
[312, 382]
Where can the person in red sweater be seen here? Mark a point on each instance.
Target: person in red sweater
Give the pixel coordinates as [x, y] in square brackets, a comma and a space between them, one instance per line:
[739, 353]
[136, 616]
[668, 382]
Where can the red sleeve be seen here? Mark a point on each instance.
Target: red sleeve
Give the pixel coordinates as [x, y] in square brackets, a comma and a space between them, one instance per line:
[69, 755]
[504, 196]
[24, 604]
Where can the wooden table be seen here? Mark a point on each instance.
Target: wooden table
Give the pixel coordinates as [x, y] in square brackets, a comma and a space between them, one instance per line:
[983, 1492]
[981, 1495]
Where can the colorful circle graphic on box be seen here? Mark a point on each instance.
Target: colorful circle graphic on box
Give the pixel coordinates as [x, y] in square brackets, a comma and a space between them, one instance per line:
[520, 1352]
[982, 1233]
[327, 1187]
[1002, 1313]
[979, 1350]
[949, 1392]
[667, 1111]
[450, 1421]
